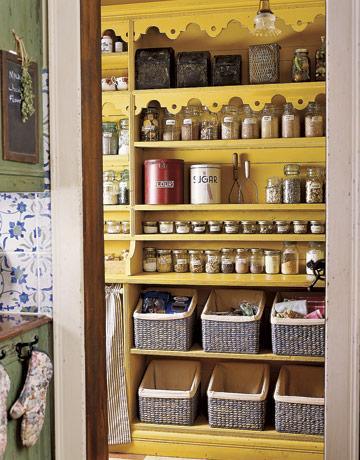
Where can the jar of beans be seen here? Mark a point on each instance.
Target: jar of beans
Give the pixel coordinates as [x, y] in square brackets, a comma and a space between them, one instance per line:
[180, 260]
[150, 129]
[300, 226]
[190, 126]
[215, 226]
[301, 66]
[290, 122]
[314, 121]
[314, 186]
[250, 128]
[242, 261]
[227, 260]
[273, 190]
[231, 226]
[230, 122]
[266, 226]
[164, 261]
[249, 226]
[170, 127]
[209, 125]
[196, 262]
[256, 261]
[269, 122]
[282, 226]
[292, 184]
[212, 261]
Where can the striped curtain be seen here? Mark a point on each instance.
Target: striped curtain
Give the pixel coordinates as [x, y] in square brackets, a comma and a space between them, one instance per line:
[118, 415]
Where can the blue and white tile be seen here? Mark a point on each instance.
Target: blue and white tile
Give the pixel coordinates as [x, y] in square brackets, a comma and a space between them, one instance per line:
[45, 289]
[43, 222]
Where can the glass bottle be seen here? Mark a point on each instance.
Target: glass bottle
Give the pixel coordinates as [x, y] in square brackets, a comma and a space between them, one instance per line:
[180, 260]
[150, 129]
[215, 226]
[273, 190]
[150, 227]
[209, 125]
[125, 226]
[190, 125]
[124, 187]
[182, 226]
[124, 138]
[231, 226]
[290, 259]
[164, 261]
[212, 261]
[249, 226]
[290, 121]
[230, 122]
[314, 120]
[266, 227]
[282, 226]
[113, 226]
[166, 226]
[227, 260]
[314, 252]
[269, 122]
[149, 260]
[110, 188]
[314, 186]
[198, 226]
[249, 124]
[292, 184]
[256, 261]
[317, 227]
[109, 138]
[320, 61]
[170, 127]
[301, 66]
[300, 226]
[196, 263]
[242, 261]
[272, 261]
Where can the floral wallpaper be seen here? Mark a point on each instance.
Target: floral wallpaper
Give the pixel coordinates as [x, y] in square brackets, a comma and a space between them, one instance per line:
[25, 241]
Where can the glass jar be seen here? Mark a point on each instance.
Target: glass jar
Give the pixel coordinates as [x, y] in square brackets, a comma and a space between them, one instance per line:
[269, 122]
[124, 137]
[180, 260]
[190, 126]
[149, 260]
[273, 190]
[212, 261]
[300, 226]
[124, 187]
[266, 227]
[314, 252]
[182, 226]
[249, 226]
[166, 226]
[317, 227]
[198, 226]
[257, 261]
[209, 125]
[320, 62]
[170, 127]
[282, 226]
[230, 122]
[314, 120]
[249, 124]
[290, 126]
[164, 261]
[231, 226]
[290, 259]
[196, 263]
[125, 227]
[109, 138]
[113, 226]
[215, 226]
[314, 186]
[272, 261]
[150, 227]
[292, 184]
[150, 129]
[242, 261]
[110, 188]
[227, 260]
[301, 66]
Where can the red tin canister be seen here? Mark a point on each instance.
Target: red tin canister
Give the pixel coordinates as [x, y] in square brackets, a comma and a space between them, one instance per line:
[164, 181]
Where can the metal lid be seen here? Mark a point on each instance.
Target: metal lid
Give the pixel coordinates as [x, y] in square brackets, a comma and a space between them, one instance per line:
[150, 223]
[248, 222]
[113, 222]
[166, 222]
[198, 222]
[196, 251]
[292, 169]
[149, 249]
[271, 252]
[241, 250]
[282, 222]
[256, 251]
[205, 166]
[179, 251]
[163, 251]
[317, 222]
[215, 222]
[231, 222]
[168, 160]
[301, 50]
[265, 222]
[212, 251]
[182, 222]
[227, 250]
[300, 222]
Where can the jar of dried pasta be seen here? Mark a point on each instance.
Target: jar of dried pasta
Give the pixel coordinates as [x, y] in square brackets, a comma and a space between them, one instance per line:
[164, 261]
[190, 126]
[212, 261]
[290, 259]
[269, 122]
[230, 122]
[196, 262]
[256, 261]
[314, 186]
[227, 260]
[250, 128]
[314, 120]
[180, 260]
[242, 261]
[290, 121]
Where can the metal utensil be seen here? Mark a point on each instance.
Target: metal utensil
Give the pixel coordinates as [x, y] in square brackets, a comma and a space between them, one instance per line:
[249, 186]
[235, 194]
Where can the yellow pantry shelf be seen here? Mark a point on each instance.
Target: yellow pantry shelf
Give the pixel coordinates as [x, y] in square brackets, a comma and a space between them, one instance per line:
[116, 208]
[114, 162]
[114, 61]
[226, 237]
[230, 207]
[116, 237]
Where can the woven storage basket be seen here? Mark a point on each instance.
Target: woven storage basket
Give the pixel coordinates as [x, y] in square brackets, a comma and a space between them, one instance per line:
[264, 63]
[169, 392]
[299, 400]
[237, 395]
[231, 334]
[166, 331]
[297, 337]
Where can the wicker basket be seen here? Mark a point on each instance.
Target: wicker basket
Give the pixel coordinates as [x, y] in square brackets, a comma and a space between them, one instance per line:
[299, 400]
[297, 337]
[231, 334]
[169, 392]
[237, 395]
[164, 331]
[264, 63]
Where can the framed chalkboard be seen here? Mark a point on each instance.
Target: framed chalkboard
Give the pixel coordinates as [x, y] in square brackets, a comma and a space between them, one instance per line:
[20, 140]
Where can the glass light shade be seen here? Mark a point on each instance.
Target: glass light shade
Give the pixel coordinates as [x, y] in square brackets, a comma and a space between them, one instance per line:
[265, 24]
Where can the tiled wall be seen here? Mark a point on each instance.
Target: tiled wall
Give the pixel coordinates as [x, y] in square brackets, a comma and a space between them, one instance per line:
[25, 242]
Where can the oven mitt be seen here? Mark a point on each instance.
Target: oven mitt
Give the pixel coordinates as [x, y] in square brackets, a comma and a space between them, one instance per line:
[4, 391]
[31, 403]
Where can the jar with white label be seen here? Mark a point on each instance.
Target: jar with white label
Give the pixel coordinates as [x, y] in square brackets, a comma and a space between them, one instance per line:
[125, 227]
[314, 120]
[231, 226]
[197, 261]
[180, 260]
[317, 227]
[107, 41]
[124, 138]
[215, 226]
[290, 259]
[266, 227]
[109, 138]
[290, 121]
[227, 260]
[150, 227]
[250, 127]
[166, 226]
[170, 127]
[212, 261]
[149, 260]
[257, 261]
[198, 226]
[205, 184]
[300, 226]
[292, 184]
[242, 261]
[182, 226]
[110, 188]
[249, 226]
[282, 226]
[164, 261]
[209, 125]
[269, 122]
[230, 122]
[190, 126]
[113, 226]
[272, 261]
[150, 129]
[314, 186]
[273, 190]
[315, 252]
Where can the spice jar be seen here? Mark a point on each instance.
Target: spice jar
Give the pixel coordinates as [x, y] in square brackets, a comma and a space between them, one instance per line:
[249, 124]
[124, 187]
[124, 137]
[273, 190]
[282, 226]
[170, 127]
[300, 226]
[113, 226]
[314, 186]
[149, 260]
[227, 260]
[125, 226]
[290, 121]
[212, 261]
[272, 261]
[317, 227]
[209, 125]
[150, 129]
[269, 122]
[180, 260]
[109, 138]
[182, 226]
[107, 41]
[230, 122]
[320, 62]
[231, 226]
[290, 259]
[166, 226]
[256, 261]
[198, 226]
[301, 66]
[314, 120]
[215, 226]
[315, 252]
[266, 226]
[110, 188]
[249, 226]
[150, 227]
[164, 261]
[190, 126]
[196, 263]
[242, 261]
[292, 184]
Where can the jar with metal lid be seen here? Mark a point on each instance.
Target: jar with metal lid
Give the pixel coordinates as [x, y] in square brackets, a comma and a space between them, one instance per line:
[269, 122]
[182, 226]
[314, 120]
[320, 61]
[273, 190]
[282, 226]
[230, 122]
[314, 186]
[215, 226]
[227, 260]
[190, 126]
[180, 260]
[149, 260]
[109, 138]
[113, 226]
[300, 70]
[125, 226]
[164, 261]
[300, 226]
[292, 184]
[150, 227]
[290, 121]
[107, 41]
[272, 261]
[242, 261]
[209, 125]
[124, 191]
[231, 226]
[110, 188]
[166, 226]
[266, 226]
[212, 261]
[317, 227]
[257, 261]
[198, 226]
[290, 259]
[196, 262]
[124, 137]
[170, 127]
[249, 226]
[314, 252]
[150, 129]
[250, 128]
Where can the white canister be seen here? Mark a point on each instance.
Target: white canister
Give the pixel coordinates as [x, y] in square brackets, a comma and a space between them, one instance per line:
[205, 184]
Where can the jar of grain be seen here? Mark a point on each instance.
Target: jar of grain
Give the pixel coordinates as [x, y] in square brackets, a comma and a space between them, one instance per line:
[149, 260]
[212, 261]
[249, 226]
[317, 227]
[314, 186]
[198, 226]
[182, 226]
[250, 128]
[272, 261]
[290, 121]
[230, 122]
[269, 122]
[256, 261]
[150, 227]
[209, 125]
[197, 262]
[300, 226]
[166, 226]
[170, 127]
[215, 226]
[242, 261]
[315, 252]
[314, 120]
[292, 184]
[190, 125]
[150, 129]
[227, 260]
[301, 66]
[180, 260]
[231, 226]
[290, 259]
[282, 226]
[164, 261]
[266, 226]
[273, 190]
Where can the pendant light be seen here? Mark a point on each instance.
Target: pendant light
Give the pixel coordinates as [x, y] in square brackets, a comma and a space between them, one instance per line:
[265, 20]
